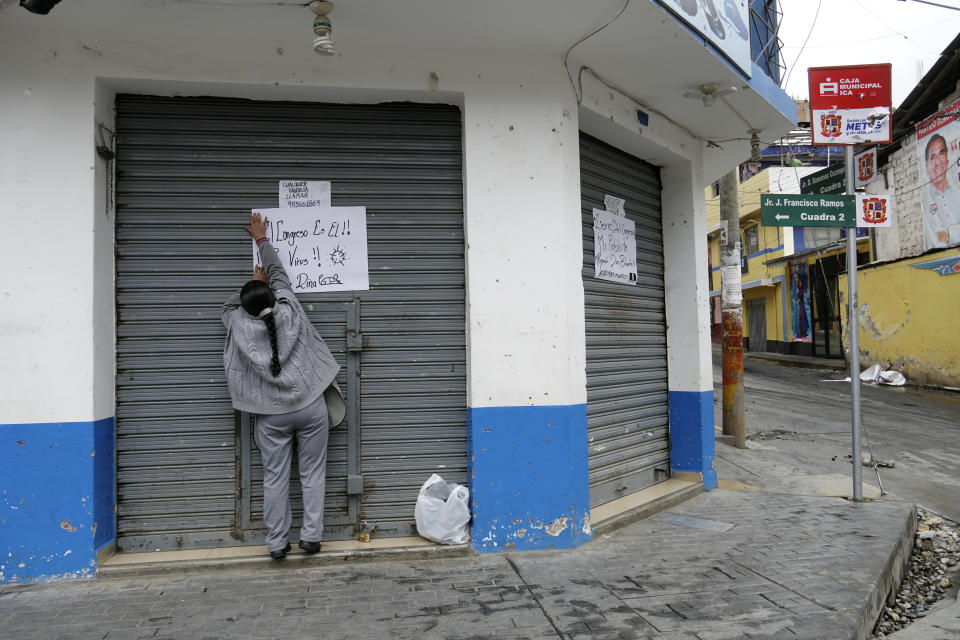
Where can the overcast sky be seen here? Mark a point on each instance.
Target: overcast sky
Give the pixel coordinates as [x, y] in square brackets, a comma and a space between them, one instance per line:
[908, 34]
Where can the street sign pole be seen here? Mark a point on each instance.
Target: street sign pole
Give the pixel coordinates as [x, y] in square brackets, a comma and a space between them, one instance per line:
[853, 328]
[852, 105]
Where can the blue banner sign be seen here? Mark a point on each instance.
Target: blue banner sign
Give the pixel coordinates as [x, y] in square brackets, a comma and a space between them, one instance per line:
[943, 266]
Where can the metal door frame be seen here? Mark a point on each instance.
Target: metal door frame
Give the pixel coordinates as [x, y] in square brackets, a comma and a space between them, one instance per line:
[824, 309]
[753, 306]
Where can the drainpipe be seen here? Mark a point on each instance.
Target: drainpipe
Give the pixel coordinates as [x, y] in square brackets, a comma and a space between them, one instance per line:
[731, 297]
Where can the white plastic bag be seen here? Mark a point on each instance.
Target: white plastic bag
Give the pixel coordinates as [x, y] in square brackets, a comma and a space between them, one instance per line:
[878, 374]
[443, 511]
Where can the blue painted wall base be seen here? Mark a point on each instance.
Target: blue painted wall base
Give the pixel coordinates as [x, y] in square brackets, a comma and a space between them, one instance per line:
[529, 484]
[692, 441]
[56, 499]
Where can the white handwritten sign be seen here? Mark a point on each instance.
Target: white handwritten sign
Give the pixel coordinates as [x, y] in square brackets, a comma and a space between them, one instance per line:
[304, 193]
[731, 291]
[613, 204]
[321, 248]
[614, 248]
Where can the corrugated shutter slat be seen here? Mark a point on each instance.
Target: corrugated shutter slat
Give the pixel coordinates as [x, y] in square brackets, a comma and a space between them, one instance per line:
[627, 411]
[188, 172]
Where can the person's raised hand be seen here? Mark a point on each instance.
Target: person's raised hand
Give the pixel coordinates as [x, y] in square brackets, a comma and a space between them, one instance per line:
[257, 227]
[259, 274]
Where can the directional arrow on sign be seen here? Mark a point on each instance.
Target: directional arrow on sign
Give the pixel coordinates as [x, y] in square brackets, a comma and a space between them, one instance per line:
[796, 210]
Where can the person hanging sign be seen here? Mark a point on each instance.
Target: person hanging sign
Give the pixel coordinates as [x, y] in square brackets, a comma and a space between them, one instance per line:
[321, 248]
[614, 248]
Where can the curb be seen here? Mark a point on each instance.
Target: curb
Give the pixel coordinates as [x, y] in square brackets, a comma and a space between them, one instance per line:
[646, 510]
[435, 552]
[292, 561]
[889, 581]
[804, 362]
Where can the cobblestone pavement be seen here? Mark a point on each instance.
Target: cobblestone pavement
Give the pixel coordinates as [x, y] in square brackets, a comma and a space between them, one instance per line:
[791, 567]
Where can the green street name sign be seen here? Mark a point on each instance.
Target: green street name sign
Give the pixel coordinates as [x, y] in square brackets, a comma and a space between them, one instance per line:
[792, 210]
[832, 180]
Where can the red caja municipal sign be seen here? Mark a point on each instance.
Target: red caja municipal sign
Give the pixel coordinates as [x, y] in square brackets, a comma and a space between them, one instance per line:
[850, 104]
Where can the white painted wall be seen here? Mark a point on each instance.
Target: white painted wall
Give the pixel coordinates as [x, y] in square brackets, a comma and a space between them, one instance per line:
[685, 279]
[47, 182]
[522, 199]
[522, 194]
[522, 212]
[103, 315]
[901, 175]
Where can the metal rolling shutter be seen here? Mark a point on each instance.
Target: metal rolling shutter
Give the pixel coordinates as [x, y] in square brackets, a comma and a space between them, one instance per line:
[189, 170]
[627, 412]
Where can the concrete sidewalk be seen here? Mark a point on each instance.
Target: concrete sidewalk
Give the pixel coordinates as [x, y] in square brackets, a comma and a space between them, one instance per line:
[789, 566]
[807, 362]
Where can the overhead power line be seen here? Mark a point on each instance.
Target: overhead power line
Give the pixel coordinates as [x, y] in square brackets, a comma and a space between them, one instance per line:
[936, 4]
[810, 33]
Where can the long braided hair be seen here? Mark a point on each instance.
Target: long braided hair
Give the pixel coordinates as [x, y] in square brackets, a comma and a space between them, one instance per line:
[257, 299]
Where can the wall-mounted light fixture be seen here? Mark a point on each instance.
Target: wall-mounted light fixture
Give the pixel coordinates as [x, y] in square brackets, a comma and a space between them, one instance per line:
[322, 43]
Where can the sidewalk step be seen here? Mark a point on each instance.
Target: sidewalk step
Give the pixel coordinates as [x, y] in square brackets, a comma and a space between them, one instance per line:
[642, 504]
[607, 518]
[830, 364]
[255, 556]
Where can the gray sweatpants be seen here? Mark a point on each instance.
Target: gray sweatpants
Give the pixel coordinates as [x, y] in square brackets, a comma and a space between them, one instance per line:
[275, 435]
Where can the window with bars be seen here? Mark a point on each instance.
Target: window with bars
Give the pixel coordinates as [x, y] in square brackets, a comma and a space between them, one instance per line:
[751, 239]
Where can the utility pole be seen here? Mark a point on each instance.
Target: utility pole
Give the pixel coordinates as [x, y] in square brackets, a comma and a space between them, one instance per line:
[731, 297]
[853, 329]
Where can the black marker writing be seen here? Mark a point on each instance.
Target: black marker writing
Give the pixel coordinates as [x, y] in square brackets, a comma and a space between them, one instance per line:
[304, 282]
[294, 260]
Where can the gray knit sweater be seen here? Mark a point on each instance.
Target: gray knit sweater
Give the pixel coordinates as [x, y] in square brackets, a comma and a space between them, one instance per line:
[307, 367]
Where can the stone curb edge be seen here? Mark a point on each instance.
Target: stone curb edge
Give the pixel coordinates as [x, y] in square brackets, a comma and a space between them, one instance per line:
[890, 578]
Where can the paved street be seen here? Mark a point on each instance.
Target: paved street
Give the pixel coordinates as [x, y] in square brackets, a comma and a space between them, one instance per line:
[806, 427]
[798, 567]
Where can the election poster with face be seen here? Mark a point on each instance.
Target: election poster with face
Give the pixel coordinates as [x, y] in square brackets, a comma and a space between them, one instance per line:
[938, 157]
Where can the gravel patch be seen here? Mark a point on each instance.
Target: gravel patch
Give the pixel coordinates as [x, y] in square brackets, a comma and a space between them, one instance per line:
[778, 434]
[936, 555]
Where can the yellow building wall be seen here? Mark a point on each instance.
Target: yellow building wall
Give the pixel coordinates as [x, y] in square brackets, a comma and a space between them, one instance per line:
[749, 198]
[909, 319]
[772, 308]
[769, 239]
[768, 242]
